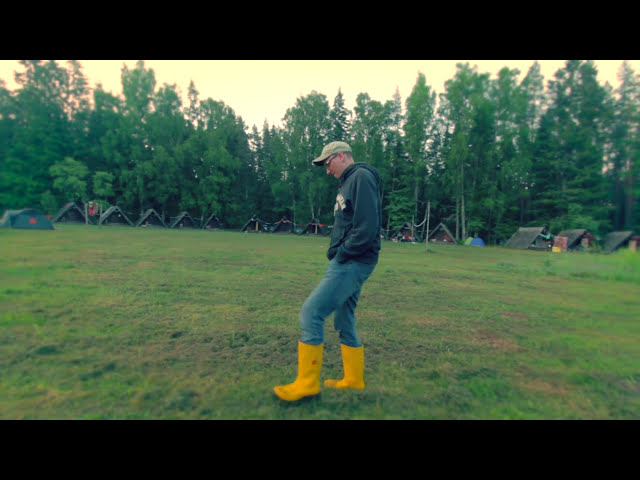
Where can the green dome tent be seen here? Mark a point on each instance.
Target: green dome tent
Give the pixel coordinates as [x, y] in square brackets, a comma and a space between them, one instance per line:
[26, 218]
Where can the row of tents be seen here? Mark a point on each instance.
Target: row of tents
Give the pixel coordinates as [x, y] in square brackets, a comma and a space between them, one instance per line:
[539, 238]
[440, 234]
[71, 213]
[284, 225]
[404, 233]
[531, 238]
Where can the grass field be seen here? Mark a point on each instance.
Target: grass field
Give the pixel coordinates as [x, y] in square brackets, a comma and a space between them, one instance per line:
[133, 323]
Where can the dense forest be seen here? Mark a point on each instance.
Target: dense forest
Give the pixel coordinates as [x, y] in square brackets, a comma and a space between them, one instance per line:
[486, 156]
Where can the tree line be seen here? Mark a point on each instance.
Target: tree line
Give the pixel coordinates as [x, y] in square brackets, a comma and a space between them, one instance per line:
[485, 156]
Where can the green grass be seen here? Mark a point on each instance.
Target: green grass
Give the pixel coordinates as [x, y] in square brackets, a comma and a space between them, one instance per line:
[132, 323]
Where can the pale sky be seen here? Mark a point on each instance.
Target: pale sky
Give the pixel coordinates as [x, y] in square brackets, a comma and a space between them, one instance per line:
[259, 90]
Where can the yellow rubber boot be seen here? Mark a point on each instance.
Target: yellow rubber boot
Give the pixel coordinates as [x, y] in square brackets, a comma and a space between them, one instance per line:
[307, 383]
[353, 363]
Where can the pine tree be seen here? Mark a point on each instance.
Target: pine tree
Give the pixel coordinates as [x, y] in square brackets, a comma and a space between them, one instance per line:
[623, 165]
[340, 121]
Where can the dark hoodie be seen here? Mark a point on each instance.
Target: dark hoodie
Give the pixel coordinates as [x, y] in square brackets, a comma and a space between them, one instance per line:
[358, 216]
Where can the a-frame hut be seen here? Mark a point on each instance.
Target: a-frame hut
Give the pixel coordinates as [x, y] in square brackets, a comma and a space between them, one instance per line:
[441, 234]
[314, 227]
[150, 218]
[615, 240]
[255, 225]
[577, 239]
[69, 213]
[403, 234]
[184, 220]
[284, 225]
[528, 237]
[213, 223]
[114, 216]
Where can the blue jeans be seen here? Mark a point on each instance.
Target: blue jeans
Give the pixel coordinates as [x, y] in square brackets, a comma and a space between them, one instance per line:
[337, 292]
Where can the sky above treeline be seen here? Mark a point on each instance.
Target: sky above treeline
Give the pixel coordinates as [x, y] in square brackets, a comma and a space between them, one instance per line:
[263, 90]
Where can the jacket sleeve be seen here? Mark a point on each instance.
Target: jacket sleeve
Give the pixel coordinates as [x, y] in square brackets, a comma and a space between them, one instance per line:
[365, 225]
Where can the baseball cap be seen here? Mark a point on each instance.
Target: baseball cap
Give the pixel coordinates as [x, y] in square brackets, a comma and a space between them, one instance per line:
[330, 149]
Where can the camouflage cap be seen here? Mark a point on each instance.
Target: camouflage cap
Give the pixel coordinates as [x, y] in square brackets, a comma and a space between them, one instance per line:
[330, 149]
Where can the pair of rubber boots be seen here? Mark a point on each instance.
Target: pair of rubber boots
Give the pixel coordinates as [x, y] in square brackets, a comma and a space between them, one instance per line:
[307, 383]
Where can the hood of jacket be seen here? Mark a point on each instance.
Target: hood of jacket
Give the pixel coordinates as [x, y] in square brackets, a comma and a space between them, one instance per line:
[355, 166]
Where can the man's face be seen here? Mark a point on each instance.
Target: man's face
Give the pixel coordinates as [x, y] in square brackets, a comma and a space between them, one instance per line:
[336, 164]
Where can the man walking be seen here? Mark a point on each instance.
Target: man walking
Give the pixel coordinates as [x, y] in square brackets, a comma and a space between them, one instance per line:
[353, 255]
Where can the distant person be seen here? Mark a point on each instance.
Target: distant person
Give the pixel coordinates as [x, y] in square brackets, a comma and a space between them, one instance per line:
[353, 255]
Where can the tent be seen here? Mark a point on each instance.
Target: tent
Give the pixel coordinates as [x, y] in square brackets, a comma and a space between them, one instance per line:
[28, 218]
[114, 216]
[476, 242]
[150, 218]
[403, 234]
[184, 220]
[528, 237]
[213, 223]
[284, 225]
[441, 234]
[314, 227]
[577, 238]
[69, 213]
[615, 240]
[255, 225]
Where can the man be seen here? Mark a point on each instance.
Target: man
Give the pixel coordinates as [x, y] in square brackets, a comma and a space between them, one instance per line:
[353, 255]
